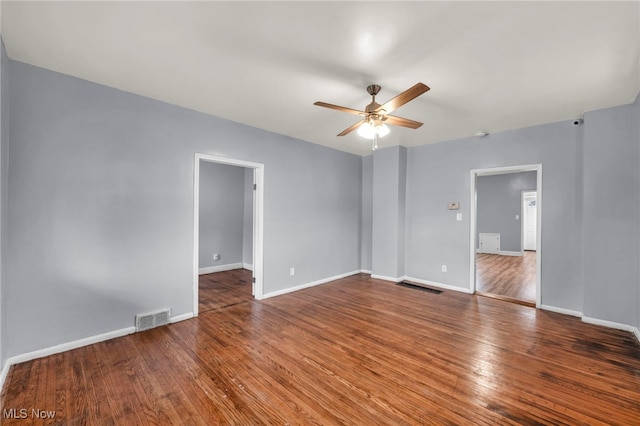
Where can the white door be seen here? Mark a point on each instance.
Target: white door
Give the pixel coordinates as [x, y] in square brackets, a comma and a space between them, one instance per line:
[529, 219]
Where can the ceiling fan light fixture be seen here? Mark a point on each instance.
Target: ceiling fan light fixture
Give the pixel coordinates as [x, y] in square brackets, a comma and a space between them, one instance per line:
[366, 130]
[381, 129]
[369, 130]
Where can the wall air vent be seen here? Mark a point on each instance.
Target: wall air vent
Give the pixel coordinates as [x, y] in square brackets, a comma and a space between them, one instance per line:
[153, 319]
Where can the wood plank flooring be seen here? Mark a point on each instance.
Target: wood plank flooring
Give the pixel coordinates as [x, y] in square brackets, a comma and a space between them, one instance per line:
[354, 351]
[222, 289]
[513, 277]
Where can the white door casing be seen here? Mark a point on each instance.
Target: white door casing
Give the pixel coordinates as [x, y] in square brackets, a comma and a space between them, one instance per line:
[473, 214]
[258, 221]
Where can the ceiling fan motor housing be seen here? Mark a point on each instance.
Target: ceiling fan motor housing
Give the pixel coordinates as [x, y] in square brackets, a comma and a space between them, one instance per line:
[373, 89]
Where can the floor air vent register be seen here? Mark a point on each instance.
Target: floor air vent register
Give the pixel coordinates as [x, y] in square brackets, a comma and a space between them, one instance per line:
[152, 319]
[419, 287]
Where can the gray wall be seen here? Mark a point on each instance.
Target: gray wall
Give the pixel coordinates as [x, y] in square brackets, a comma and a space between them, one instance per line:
[440, 173]
[367, 212]
[389, 188]
[247, 227]
[101, 214]
[4, 146]
[221, 214]
[499, 200]
[590, 209]
[402, 214]
[610, 216]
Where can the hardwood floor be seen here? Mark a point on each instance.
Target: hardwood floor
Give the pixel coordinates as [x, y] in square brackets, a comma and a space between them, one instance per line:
[513, 277]
[354, 351]
[222, 289]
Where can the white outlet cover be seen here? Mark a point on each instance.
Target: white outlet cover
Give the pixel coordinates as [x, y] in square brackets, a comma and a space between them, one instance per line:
[459, 217]
[444, 268]
[292, 271]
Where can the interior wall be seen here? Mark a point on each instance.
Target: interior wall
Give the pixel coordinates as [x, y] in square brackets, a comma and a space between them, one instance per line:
[4, 146]
[367, 213]
[610, 218]
[247, 227]
[101, 212]
[402, 202]
[221, 214]
[388, 200]
[440, 173]
[499, 200]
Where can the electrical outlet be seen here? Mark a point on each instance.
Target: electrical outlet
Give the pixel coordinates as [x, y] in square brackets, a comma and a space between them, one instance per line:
[459, 217]
[216, 256]
[292, 271]
[444, 268]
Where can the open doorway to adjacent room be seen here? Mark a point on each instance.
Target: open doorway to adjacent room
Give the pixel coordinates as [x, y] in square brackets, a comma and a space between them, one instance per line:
[228, 210]
[505, 233]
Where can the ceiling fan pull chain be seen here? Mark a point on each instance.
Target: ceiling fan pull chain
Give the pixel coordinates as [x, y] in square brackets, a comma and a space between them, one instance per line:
[374, 142]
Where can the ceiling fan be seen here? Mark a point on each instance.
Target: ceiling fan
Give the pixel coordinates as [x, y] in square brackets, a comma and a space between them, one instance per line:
[375, 115]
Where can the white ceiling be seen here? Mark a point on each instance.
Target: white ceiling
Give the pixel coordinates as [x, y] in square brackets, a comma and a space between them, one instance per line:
[491, 65]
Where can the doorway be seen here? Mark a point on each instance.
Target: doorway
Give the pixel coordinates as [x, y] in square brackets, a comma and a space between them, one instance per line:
[257, 170]
[529, 220]
[505, 214]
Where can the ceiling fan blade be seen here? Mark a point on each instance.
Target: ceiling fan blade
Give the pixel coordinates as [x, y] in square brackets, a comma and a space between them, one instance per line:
[351, 128]
[339, 108]
[404, 122]
[404, 97]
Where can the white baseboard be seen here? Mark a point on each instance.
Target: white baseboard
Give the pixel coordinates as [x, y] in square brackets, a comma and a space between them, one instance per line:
[364, 271]
[561, 311]
[307, 285]
[247, 266]
[182, 317]
[385, 278]
[435, 284]
[594, 321]
[63, 347]
[510, 253]
[610, 324]
[504, 252]
[220, 268]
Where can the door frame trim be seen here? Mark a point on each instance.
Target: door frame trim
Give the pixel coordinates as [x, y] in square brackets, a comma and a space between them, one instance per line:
[258, 220]
[473, 220]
